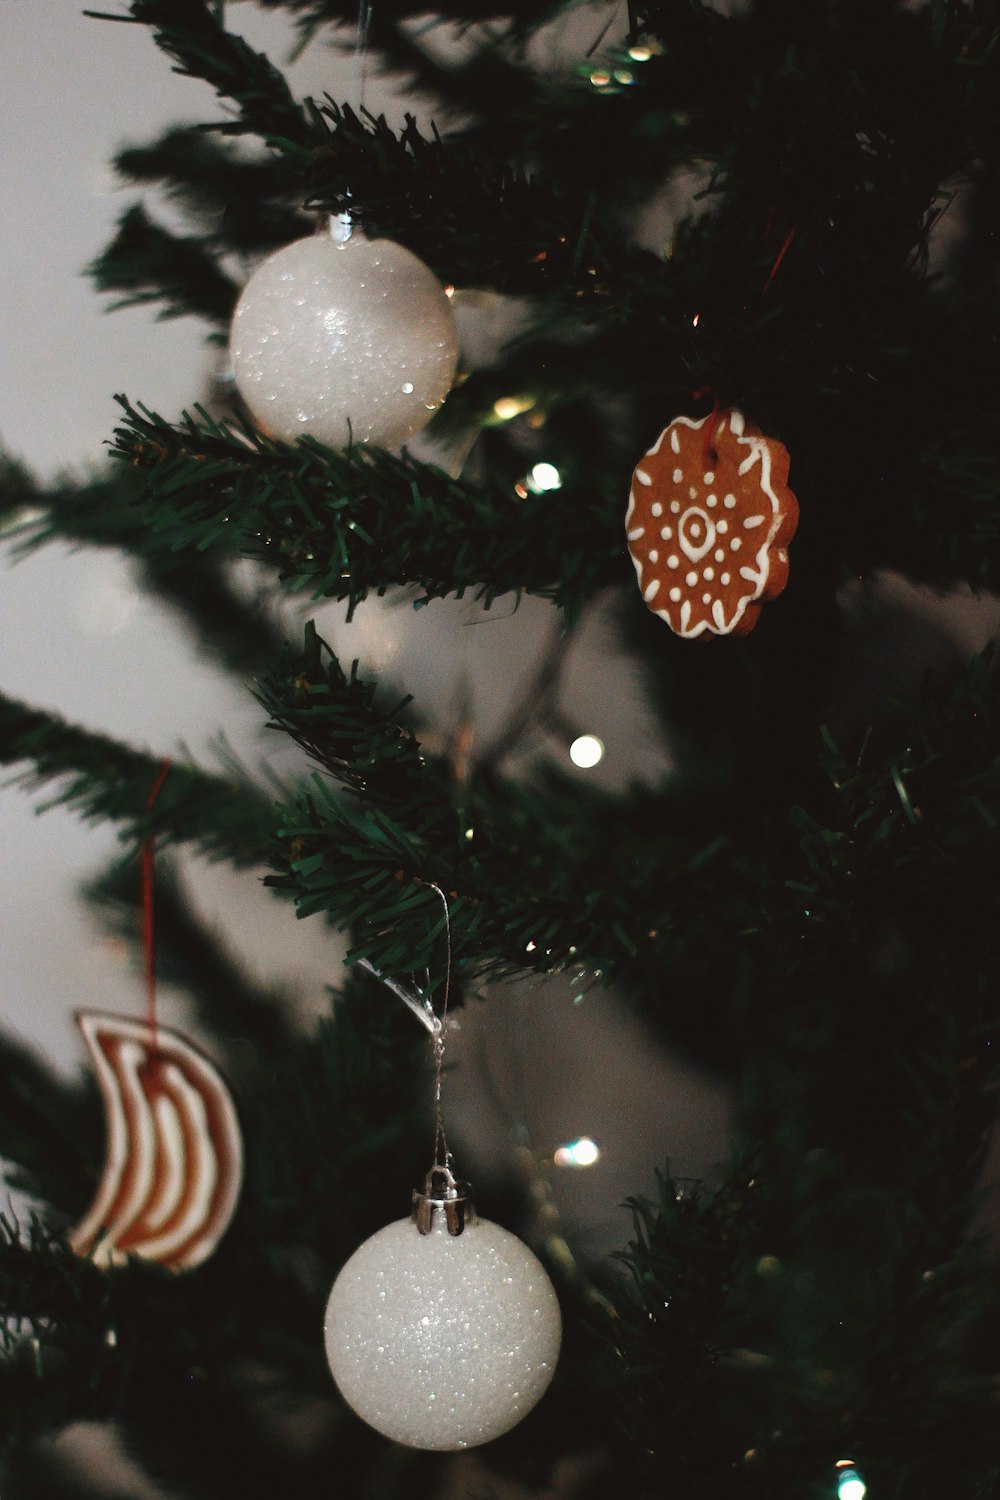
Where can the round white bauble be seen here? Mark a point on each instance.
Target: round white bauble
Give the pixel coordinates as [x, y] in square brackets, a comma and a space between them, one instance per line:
[343, 340]
[442, 1341]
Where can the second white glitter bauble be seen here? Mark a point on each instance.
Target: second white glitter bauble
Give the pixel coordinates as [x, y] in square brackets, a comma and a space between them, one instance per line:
[442, 1341]
[343, 340]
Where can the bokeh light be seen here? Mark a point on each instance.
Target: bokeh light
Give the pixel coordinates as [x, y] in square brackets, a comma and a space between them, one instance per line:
[586, 751]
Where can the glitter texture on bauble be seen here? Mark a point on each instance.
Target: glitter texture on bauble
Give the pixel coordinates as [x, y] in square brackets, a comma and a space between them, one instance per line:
[441, 1340]
[345, 341]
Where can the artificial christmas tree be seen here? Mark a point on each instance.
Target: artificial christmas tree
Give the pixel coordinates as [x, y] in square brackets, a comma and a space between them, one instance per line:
[805, 906]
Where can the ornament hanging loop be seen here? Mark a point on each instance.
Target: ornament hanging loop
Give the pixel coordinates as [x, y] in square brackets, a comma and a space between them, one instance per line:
[452, 1197]
[147, 860]
[443, 1194]
[340, 226]
[442, 1156]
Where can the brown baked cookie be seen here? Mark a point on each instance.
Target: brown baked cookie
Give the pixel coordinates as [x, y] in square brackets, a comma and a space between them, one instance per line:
[709, 520]
[173, 1164]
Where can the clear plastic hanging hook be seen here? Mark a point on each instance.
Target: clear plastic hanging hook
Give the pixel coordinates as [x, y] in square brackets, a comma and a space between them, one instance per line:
[415, 999]
[419, 1002]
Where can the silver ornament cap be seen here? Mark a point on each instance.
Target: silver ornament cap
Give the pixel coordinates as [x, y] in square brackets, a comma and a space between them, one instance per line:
[344, 340]
[443, 1197]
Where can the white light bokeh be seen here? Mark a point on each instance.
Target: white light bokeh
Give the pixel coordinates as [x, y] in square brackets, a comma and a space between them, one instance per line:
[544, 477]
[583, 1152]
[586, 751]
[509, 407]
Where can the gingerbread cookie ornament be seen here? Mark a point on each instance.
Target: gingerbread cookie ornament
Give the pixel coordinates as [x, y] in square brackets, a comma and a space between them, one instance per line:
[174, 1161]
[709, 520]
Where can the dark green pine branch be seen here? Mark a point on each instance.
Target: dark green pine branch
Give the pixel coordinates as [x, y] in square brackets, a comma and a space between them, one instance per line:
[238, 205]
[371, 859]
[359, 1086]
[928, 435]
[488, 70]
[49, 1130]
[147, 263]
[333, 715]
[490, 74]
[868, 162]
[505, 227]
[312, 14]
[476, 217]
[947, 771]
[475, 221]
[820, 1311]
[104, 780]
[251, 1020]
[484, 224]
[676, 1329]
[844, 1256]
[345, 525]
[238, 200]
[193, 35]
[723, 897]
[840, 102]
[227, 624]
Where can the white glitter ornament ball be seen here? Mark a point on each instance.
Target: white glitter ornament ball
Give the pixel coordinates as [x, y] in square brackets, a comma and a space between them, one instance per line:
[343, 339]
[442, 1341]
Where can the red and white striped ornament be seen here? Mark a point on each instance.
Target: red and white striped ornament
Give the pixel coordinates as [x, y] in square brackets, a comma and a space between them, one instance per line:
[174, 1164]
